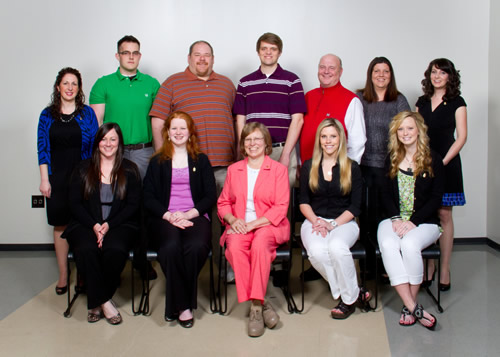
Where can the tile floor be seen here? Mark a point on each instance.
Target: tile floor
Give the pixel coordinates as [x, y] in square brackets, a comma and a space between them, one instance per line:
[32, 322]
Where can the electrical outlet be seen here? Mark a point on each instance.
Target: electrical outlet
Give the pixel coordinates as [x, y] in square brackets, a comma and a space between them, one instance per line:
[37, 201]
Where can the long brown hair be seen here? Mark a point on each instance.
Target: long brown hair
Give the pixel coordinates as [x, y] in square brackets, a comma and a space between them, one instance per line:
[342, 160]
[92, 178]
[397, 151]
[369, 93]
[55, 99]
[166, 151]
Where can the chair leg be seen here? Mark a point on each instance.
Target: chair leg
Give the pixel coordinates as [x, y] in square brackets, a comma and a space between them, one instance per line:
[71, 301]
[292, 306]
[213, 297]
[222, 311]
[376, 281]
[134, 311]
[440, 309]
[302, 286]
[428, 288]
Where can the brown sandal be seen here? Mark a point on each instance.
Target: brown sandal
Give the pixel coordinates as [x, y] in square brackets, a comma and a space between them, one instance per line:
[114, 320]
[94, 316]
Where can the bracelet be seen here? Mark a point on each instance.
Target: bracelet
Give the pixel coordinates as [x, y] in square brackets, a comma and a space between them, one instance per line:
[396, 218]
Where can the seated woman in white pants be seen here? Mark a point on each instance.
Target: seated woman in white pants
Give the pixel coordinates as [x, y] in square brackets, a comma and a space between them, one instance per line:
[330, 198]
[412, 196]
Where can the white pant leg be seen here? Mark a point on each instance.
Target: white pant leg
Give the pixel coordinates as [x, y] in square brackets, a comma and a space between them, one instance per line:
[412, 245]
[402, 257]
[332, 258]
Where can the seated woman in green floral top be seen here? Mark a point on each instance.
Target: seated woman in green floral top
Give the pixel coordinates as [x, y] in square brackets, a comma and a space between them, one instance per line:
[412, 196]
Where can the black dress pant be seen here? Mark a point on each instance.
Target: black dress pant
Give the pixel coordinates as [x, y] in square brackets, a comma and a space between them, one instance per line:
[181, 254]
[101, 267]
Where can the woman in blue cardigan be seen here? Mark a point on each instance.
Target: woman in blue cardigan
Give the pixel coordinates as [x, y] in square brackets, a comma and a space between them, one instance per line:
[66, 131]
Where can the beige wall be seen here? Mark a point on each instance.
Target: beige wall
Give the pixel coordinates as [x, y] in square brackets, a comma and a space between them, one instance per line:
[493, 206]
[40, 37]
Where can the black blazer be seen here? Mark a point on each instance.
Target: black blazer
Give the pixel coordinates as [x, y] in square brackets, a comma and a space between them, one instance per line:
[89, 212]
[158, 182]
[428, 193]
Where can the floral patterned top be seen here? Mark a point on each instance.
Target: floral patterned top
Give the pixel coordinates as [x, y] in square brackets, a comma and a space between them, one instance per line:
[406, 185]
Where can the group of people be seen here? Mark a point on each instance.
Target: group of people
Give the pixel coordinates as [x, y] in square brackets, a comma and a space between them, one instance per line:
[150, 160]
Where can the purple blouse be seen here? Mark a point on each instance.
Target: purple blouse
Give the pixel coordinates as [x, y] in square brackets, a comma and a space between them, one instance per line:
[181, 198]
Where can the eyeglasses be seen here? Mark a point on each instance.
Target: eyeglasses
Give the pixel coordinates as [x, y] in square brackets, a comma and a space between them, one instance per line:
[128, 53]
[249, 141]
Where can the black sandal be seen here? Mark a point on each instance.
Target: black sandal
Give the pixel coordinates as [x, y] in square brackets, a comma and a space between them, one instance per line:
[364, 298]
[418, 312]
[404, 314]
[345, 311]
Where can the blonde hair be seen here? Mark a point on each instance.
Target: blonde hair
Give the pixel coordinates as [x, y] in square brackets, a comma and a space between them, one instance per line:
[342, 160]
[397, 151]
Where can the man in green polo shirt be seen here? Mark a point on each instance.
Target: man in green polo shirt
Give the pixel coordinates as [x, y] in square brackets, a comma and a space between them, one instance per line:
[125, 97]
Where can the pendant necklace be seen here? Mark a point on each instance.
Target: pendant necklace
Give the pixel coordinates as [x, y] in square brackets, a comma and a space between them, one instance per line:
[410, 163]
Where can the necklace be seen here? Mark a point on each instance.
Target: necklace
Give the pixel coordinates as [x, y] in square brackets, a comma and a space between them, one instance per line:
[66, 118]
[410, 163]
[329, 172]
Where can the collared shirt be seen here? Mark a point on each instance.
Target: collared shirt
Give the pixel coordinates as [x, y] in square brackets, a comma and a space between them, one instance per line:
[270, 100]
[328, 201]
[209, 103]
[338, 103]
[127, 103]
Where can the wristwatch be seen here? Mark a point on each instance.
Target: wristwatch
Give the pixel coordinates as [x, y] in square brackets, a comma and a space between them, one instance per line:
[333, 223]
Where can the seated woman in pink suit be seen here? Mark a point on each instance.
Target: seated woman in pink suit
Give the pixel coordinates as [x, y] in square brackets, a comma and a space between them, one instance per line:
[253, 205]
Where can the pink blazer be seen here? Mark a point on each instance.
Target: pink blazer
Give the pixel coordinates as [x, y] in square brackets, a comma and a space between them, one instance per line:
[271, 196]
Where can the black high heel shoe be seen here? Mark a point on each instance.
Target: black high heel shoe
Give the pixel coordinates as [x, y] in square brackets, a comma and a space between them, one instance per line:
[445, 287]
[61, 290]
[428, 283]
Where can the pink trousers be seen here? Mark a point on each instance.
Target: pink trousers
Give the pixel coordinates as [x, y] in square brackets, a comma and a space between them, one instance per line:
[250, 256]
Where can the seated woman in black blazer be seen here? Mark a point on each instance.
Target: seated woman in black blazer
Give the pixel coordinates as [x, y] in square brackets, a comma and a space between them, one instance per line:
[179, 192]
[104, 197]
[412, 195]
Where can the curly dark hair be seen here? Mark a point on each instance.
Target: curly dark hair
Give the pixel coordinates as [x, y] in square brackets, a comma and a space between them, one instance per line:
[369, 94]
[55, 99]
[453, 85]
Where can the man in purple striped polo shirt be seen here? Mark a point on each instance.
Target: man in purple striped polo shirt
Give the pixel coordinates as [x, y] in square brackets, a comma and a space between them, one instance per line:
[275, 98]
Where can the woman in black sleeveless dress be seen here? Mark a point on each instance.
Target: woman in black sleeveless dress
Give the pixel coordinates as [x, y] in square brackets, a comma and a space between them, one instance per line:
[445, 114]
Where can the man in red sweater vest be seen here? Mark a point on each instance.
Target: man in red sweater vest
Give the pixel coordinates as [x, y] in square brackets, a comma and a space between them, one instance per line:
[332, 100]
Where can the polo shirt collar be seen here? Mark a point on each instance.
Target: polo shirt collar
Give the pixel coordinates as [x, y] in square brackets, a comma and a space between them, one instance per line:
[193, 77]
[138, 75]
[277, 72]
